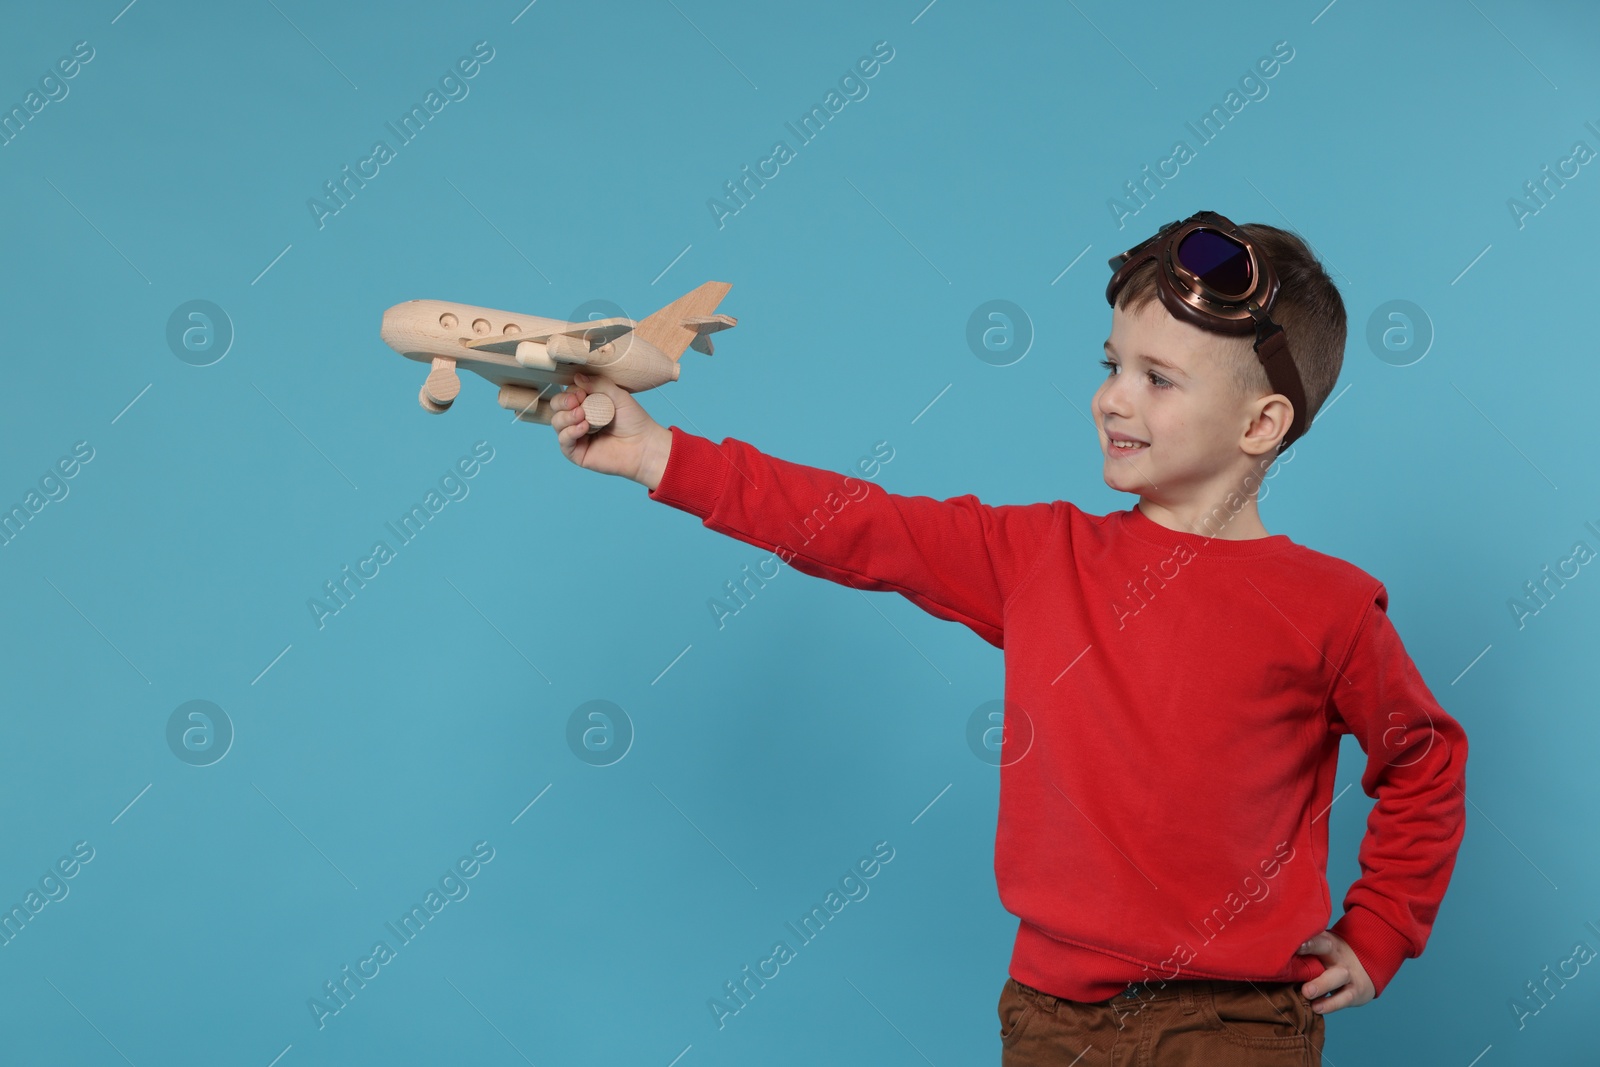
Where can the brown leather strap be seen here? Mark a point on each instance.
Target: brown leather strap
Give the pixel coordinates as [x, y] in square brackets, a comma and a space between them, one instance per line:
[1273, 351]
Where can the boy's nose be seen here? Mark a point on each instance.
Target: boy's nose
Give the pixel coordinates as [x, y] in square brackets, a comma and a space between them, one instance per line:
[1109, 401]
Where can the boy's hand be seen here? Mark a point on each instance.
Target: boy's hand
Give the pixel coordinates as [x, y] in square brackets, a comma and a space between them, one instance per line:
[1344, 973]
[634, 445]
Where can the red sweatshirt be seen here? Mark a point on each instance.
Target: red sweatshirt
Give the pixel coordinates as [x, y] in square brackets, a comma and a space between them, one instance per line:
[1174, 705]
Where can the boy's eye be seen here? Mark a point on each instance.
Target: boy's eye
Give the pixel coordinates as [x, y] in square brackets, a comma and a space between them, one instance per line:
[1155, 379]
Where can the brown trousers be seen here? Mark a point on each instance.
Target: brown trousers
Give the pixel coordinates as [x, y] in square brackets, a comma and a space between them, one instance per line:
[1182, 1023]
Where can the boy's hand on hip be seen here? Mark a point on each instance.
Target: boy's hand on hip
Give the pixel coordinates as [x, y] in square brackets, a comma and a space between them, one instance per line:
[1345, 978]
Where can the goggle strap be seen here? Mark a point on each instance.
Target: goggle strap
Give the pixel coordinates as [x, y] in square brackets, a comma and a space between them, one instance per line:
[1272, 348]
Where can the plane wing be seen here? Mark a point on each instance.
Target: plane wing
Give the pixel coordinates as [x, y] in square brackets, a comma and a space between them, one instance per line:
[598, 332]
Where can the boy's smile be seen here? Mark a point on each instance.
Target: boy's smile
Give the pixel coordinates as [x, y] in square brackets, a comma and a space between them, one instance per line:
[1173, 423]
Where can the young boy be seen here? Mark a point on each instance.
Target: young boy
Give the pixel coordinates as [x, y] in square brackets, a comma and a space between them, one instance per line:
[1177, 679]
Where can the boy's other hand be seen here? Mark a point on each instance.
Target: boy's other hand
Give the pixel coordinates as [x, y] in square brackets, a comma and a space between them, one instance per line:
[1344, 977]
[632, 446]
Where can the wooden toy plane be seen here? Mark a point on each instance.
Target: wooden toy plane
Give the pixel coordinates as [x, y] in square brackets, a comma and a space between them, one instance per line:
[532, 359]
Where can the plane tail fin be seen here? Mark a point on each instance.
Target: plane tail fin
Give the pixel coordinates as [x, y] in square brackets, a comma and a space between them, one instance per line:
[688, 321]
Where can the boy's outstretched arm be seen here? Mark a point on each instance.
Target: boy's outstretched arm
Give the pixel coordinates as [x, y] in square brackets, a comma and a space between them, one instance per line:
[958, 559]
[1416, 771]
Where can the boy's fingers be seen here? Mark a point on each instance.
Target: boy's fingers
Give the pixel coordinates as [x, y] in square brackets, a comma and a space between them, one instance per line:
[1342, 999]
[1329, 981]
[592, 383]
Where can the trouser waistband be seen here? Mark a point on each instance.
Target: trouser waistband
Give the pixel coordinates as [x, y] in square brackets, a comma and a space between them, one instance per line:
[1184, 989]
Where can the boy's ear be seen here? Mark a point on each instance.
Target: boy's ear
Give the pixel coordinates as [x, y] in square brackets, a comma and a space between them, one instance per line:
[1269, 421]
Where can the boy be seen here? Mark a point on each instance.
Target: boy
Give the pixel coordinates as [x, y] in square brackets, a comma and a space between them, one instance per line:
[1177, 679]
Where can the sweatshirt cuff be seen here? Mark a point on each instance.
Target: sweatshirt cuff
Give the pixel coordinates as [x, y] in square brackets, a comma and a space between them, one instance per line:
[694, 476]
[1378, 946]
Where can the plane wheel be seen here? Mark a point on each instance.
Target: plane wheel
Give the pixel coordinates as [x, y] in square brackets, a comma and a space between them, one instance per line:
[441, 387]
[599, 410]
[428, 404]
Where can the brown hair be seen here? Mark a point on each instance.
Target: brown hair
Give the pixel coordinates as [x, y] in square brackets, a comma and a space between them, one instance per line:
[1308, 308]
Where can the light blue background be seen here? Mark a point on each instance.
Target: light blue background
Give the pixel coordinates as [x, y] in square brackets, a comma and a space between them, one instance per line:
[775, 752]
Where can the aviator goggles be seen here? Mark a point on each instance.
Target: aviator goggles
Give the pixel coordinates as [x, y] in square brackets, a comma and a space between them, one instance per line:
[1210, 275]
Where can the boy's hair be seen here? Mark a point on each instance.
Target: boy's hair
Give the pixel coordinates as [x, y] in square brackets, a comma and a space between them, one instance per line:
[1308, 308]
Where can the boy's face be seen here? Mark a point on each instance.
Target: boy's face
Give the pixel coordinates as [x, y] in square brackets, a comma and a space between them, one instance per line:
[1172, 388]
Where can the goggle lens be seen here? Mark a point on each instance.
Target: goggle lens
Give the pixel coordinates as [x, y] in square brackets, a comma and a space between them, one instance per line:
[1220, 262]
